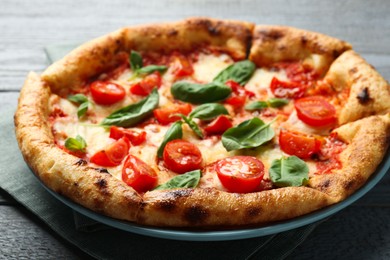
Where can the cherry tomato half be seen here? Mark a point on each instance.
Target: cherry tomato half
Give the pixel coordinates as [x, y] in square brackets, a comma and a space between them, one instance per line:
[139, 175]
[182, 156]
[165, 115]
[298, 144]
[113, 154]
[135, 138]
[240, 174]
[315, 111]
[147, 84]
[218, 126]
[181, 66]
[283, 89]
[106, 93]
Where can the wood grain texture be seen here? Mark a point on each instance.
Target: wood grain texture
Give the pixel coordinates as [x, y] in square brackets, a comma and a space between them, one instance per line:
[359, 232]
[25, 31]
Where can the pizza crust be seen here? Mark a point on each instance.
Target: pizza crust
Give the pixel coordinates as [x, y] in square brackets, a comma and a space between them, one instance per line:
[281, 43]
[367, 147]
[369, 92]
[210, 207]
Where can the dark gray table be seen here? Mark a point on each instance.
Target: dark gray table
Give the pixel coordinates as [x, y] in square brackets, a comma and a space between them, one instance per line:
[361, 231]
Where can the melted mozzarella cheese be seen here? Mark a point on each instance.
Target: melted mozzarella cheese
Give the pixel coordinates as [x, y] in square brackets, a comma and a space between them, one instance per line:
[261, 80]
[208, 66]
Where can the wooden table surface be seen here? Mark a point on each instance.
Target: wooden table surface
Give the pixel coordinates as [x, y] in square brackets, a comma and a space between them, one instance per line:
[362, 231]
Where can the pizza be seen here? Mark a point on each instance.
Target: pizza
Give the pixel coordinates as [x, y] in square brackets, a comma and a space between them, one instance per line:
[205, 123]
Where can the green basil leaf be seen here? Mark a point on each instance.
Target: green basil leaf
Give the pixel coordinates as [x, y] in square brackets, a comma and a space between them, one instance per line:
[194, 126]
[186, 180]
[200, 93]
[240, 72]
[82, 109]
[78, 98]
[174, 132]
[152, 68]
[135, 61]
[277, 102]
[290, 171]
[249, 134]
[75, 144]
[134, 113]
[256, 105]
[208, 111]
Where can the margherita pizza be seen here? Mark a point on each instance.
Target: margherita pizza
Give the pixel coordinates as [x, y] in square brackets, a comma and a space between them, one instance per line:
[206, 123]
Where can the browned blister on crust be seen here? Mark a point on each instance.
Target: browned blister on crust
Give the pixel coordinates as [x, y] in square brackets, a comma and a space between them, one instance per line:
[60, 171]
[367, 141]
[369, 92]
[281, 43]
[210, 207]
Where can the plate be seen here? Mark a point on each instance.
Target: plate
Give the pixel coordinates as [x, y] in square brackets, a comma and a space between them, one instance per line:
[224, 235]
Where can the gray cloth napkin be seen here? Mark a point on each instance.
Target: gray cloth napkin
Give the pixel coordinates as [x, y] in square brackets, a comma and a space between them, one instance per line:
[103, 242]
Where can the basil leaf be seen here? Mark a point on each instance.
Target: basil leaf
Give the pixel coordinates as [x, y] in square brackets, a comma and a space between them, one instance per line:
[152, 68]
[277, 102]
[134, 113]
[240, 72]
[249, 134]
[82, 109]
[174, 132]
[75, 144]
[135, 61]
[272, 102]
[193, 126]
[200, 93]
[256, 105]
[78, 98]
[208, 111]
[290, 171]
[186, 180]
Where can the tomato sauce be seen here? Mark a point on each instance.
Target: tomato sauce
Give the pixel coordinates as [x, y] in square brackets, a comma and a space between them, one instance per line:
[330, 155]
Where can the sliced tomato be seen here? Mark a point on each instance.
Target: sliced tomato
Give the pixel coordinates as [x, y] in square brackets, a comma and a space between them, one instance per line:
[147, 84]
[113, 154]
[139, 175]
[315, 111]
[181, 66]
[182, 156]
[166, 115]
[298, 144]
[240, 174]
[135, 138]
[284, 89]
[239, 94]
[219, 125]
[106, 93]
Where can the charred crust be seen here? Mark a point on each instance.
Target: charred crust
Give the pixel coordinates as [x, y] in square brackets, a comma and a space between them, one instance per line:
[166, 205]
[101, 170]
[303, 40]
[176, 194]
[325, 184]
[76, 184]
[270, 35]
[196, 214]
[353, 70]
[363, 96]
[81, 162]
[253, 212]
[101, 183]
